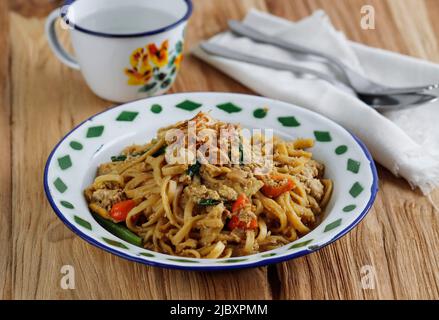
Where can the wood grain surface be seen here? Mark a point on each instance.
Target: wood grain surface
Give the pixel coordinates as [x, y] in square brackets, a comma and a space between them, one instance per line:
[41, 100]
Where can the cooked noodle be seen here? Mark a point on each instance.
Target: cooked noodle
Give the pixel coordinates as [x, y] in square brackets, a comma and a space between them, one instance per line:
[207, 210]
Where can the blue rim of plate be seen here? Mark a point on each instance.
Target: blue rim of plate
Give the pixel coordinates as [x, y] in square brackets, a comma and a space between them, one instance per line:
[128, 35]
[259, 263]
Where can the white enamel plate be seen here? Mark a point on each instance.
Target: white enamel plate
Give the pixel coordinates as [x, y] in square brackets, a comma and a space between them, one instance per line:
[72, 166]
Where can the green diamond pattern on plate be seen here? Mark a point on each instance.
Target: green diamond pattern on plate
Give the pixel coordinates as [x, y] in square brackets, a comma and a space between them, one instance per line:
[349, 208]
[333, 225]
[94, 132]
[188, 105]
[60, 185]
[353, 165]
[301, 244]
[66, 204]
[267, 255]
[229, 107]
[156, 108]
[127, 116]
[75, 145]
[289, 121]
[356, 189]
[147, 254]
[82, 222]
[65, 162]
[115, 243]
[233, 260]
[322, 136]
[260, 113]
[341, 150]
[183, 260]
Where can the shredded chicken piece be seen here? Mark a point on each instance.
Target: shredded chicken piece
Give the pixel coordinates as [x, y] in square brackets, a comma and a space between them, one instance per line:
[198, 192]
[107, 198]
[309, 176]
[227, 193]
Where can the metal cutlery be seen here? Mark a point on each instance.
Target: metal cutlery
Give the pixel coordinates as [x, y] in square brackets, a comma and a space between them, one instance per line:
[378, 101]
[358, 82]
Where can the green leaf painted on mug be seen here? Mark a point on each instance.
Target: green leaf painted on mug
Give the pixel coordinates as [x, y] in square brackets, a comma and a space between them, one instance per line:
[171, 62]
[165, 83]
[179, 47]
[148, 87]
[160, 76]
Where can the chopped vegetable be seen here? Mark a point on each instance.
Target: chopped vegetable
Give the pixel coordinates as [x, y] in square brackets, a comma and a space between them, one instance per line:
[121, 157]
[140, 153]
[233, 223]
[119, 230]
[241, 154]
[277, 185]
[253, 224]
[159, 152]
[194, 169]
[120, 210]
[240, 203]
[236, 223]
[208, 202]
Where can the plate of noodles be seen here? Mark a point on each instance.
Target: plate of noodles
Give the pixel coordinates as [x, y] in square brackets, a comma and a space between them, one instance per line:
[210, 181]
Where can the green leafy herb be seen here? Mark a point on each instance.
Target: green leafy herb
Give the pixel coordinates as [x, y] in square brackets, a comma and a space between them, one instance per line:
[241, 154]
[208, 202]
[121, 157]
[159, 152]
[194, 169]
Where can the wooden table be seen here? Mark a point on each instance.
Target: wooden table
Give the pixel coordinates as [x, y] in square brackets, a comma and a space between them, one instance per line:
[41, 100]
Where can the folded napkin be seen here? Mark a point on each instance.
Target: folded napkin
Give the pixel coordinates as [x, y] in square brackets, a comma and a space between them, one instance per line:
[405, 141]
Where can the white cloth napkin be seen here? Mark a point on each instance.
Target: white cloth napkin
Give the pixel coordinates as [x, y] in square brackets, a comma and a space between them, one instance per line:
[406, 141]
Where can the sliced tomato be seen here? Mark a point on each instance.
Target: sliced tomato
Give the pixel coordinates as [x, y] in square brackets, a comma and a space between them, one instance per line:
[120, 210]
[240, 203]
[253, 224]
[233, 223]
[236, 223]
[276, 191]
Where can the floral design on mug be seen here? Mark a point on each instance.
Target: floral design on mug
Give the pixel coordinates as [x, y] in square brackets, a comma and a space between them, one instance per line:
[153, 67]
[159, 56]
[141, 71]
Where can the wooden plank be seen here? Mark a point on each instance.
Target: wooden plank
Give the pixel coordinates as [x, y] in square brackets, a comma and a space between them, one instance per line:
[47, 108]
[33, 8]
[6, 152]
[399, 236]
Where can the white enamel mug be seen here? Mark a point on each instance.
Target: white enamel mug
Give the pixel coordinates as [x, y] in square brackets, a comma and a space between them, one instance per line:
[125, 49]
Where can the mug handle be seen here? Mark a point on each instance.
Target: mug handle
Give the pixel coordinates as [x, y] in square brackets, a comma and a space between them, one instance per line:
[54, 44]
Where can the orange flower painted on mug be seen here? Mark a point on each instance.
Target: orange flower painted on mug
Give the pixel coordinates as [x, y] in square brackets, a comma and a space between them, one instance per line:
[177, 61]
[159, 56]
[141, 71]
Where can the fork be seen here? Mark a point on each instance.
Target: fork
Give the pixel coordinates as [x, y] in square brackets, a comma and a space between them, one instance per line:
[358, 82]
[380, 102]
